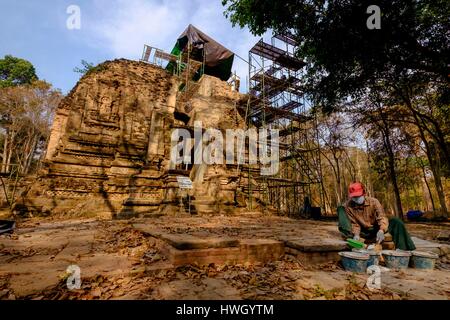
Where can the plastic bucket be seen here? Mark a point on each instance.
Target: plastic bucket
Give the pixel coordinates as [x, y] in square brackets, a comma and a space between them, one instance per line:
[423, 260]
[396, 259]
[374, 257]
[354, 261]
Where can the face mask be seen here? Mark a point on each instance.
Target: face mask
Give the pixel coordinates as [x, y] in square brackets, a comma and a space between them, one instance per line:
[358, 200]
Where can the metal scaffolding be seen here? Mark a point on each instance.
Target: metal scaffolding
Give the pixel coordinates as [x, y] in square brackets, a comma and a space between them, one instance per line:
[276, 100]
[186, 66]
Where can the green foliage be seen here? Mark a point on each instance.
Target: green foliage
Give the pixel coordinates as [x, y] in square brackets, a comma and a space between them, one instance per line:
[15, 71]
[344, 57]
[403, 63]
[88, 67]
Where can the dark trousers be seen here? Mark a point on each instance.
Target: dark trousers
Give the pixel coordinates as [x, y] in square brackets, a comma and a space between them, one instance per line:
[396, 228]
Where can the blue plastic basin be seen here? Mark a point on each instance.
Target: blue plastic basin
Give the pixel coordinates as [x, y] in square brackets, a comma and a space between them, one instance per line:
[396, 259]
[354, 261]
[423, 260]
[373, 256]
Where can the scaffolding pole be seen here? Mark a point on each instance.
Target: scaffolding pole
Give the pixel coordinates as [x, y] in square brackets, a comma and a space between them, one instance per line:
[275, 100]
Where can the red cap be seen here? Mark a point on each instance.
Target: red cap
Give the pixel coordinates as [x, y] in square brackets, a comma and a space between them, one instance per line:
[356, 189]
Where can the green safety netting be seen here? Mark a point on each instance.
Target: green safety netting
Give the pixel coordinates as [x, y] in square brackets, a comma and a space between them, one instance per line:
[218, 59]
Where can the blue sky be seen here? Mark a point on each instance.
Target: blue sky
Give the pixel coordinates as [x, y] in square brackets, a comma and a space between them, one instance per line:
[36, 31]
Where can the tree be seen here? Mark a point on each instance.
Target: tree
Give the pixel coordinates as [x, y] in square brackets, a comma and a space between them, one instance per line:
[416, 101]
[383, 138]
[88, 67]
[343, 56]
[15, 71]
[26, 113]
[397, 137]
[405, 62]
[335, 140]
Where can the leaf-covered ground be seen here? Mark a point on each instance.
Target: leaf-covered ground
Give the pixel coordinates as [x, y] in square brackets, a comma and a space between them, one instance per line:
[118, 262]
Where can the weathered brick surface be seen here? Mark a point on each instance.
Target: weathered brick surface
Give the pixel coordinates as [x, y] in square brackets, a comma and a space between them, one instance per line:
[312, 258]
[187, 242]
[205, 256]
[111, 140]
[261, 250]
[322, 245]
[258, 250]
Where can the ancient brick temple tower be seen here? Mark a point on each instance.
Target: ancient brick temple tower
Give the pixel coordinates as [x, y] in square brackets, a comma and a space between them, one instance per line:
[109, 149]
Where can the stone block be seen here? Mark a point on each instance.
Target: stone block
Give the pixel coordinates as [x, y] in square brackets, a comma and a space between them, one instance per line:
[249, 250]
[312, 258]
[188, 242]
[261, 250]
[318, 245]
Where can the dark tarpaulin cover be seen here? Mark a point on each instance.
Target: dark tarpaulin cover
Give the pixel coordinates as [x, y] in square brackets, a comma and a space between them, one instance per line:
[218, 59]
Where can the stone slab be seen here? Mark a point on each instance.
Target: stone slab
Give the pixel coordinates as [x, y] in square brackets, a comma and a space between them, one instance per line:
[203, 256]
[249, 250]
[261, 250]
[316, 245]
[425, 245]
[189, 242]
[420, 243]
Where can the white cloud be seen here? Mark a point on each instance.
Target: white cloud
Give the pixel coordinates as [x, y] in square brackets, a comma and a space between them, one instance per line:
[124, 26]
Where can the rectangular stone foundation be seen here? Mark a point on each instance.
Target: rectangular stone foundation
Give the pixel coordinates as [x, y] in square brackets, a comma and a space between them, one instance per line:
[259, 250]
[315, 251]
[184, 248]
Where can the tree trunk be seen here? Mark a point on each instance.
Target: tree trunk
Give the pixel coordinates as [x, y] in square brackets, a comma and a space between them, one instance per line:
[334, 180]
[434, 169]
[22, 155]
[9, 151]
[327, 203]
[8, 158]
[30, 155]
[392, 172]
[338, 180]
[420, 123]
[439, 189]
[416, 203]
[369, 186]
[5, 151]
[398, 202]
[428, 188]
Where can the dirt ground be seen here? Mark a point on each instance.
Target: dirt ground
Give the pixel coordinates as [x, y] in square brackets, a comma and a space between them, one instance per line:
[118, 262]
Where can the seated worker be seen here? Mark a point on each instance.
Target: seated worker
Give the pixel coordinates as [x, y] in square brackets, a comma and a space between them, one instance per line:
[363, 216]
